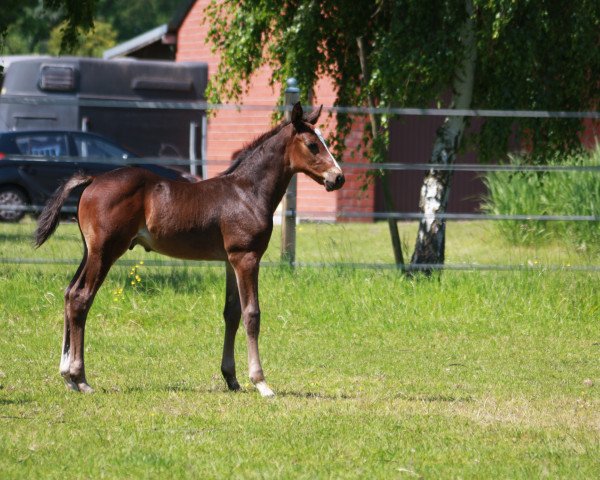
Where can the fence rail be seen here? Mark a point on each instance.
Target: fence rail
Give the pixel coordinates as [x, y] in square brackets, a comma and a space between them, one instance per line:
[521, 267]
[203, 106]
[388, 166]
[307, 215]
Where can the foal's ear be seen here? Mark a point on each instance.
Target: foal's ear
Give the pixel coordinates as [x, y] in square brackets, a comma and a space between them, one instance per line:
[297, 116]
[314, 115]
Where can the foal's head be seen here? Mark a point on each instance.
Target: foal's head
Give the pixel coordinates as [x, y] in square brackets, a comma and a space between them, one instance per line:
[309, 153]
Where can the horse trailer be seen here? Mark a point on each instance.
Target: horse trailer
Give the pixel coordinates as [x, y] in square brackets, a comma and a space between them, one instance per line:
[112, 98]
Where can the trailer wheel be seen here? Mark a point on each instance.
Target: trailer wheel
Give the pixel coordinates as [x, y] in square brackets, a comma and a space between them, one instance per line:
[12, 197]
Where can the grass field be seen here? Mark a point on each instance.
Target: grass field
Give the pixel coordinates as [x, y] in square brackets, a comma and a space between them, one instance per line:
[472, 375]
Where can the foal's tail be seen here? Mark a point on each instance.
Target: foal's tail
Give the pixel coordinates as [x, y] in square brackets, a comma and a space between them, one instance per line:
[48, 220]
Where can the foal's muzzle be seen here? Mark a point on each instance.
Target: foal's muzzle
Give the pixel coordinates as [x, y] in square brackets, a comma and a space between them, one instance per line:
[335, 182]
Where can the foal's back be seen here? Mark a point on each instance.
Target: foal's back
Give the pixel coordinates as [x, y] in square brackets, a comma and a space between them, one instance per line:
[132, 206]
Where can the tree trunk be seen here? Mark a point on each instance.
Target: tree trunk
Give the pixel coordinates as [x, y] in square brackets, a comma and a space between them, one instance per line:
[430, 244]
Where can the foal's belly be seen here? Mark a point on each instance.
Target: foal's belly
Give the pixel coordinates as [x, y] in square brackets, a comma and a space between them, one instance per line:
[194, 245]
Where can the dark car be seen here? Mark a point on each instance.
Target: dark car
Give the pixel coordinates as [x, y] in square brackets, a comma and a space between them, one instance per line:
[34, 163]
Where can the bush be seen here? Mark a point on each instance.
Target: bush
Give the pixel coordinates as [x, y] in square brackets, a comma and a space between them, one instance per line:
[548, 193]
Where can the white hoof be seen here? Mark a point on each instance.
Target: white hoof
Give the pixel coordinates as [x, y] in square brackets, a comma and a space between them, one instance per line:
[264, 389]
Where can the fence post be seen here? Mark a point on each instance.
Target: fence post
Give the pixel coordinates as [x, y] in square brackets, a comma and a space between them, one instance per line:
[288, 205]
[203, 146]
[193, 165]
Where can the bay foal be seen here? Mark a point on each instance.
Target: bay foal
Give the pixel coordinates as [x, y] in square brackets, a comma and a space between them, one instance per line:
[228, 217]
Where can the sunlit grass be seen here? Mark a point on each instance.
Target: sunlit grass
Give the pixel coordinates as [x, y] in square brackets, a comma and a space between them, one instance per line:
[471, 375]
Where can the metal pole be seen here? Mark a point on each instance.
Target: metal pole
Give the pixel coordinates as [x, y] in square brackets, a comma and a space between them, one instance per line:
[193, 166]
[288, 205]
[203, 147]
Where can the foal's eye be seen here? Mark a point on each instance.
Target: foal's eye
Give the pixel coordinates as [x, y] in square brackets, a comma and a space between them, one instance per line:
[314, 148]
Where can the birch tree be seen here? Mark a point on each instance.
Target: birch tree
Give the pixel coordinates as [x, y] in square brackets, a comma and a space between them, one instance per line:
[431, 237]
[488, 54]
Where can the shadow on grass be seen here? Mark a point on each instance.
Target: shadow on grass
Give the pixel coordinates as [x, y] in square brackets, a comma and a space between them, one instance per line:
[212, 389]
[315, 395]
[16, 401]
[190, 280]
[162, 388]
[435, 398]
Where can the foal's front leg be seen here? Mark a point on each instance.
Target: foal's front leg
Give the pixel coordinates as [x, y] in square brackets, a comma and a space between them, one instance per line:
[231, 314]
[246, 271]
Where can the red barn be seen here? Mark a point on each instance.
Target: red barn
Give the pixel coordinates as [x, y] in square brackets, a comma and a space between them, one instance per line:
[185, 39]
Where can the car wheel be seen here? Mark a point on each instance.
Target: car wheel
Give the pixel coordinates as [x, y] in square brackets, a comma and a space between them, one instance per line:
[12, 196]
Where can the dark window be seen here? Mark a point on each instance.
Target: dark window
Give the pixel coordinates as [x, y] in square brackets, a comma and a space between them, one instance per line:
[94, 147]
[50, 145]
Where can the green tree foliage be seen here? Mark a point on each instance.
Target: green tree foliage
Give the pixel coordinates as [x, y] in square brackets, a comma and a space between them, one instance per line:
[134, 17]
[27, 32]
[540, 55]
[25, 25]
[531, 54]
[76, 15]
[10, 12]
[90, 44]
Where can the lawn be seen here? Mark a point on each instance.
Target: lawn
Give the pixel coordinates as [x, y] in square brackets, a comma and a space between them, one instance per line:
[481, 374]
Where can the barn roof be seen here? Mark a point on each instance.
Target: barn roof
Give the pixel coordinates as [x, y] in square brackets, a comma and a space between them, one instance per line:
[155, 43]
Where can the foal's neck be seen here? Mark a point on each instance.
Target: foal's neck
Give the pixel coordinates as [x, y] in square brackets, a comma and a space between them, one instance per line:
[266, 173]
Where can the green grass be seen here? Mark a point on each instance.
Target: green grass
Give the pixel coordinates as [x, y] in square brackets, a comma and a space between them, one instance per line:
[472, 375]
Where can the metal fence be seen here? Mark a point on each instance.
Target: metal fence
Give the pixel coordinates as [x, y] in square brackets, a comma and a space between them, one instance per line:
[201, 164]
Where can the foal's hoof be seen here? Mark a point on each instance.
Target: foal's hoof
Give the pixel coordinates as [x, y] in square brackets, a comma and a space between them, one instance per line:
[233, 385]
[82, 387]
[85, 388]
[264, 389]
[70, 384]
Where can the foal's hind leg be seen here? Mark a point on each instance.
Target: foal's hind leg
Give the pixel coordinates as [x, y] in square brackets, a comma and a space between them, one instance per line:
[78, 301]
[65, 359]
[231, 313]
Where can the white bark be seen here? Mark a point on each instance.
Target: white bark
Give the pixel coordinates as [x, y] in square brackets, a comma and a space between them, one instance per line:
[430, 244]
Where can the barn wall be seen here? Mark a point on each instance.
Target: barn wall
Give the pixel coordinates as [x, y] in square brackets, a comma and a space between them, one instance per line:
[228, 131]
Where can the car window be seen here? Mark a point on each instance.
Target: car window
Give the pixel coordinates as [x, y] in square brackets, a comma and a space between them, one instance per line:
[95, 147]
[51, 145]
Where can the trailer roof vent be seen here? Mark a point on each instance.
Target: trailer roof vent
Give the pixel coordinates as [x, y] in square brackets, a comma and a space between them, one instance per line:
[57, 78]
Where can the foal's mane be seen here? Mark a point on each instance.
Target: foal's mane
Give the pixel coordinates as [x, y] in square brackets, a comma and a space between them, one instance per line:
[240, 155]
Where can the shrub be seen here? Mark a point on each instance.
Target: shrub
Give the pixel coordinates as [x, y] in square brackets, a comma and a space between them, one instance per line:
[548, 193]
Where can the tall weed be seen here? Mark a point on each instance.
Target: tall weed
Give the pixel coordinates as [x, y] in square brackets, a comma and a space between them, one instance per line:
[548, 193]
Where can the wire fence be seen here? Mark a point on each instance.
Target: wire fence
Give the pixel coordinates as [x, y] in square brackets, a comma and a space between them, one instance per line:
[525, 267]
[346, 214]
[307, 215]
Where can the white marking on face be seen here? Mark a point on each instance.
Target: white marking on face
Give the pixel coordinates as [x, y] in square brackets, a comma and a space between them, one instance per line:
[320, 136]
